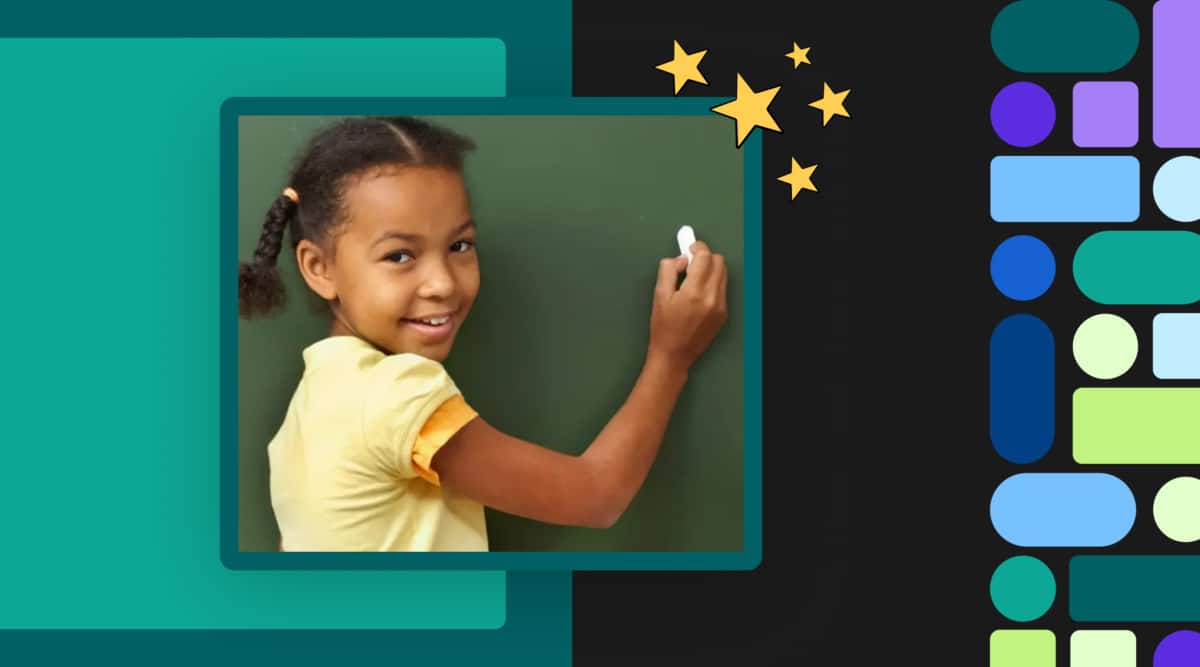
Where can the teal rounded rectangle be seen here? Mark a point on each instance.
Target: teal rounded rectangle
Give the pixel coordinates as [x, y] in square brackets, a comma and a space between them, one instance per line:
[125, 532]
[1134, 588]
[750, 554]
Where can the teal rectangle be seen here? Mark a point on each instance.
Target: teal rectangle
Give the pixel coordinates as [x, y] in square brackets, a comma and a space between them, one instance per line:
[746, 559]
[1134, 588]
[111, 472]
[1065, 188]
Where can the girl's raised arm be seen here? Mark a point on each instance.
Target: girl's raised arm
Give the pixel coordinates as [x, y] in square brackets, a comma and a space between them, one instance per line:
[594, 488]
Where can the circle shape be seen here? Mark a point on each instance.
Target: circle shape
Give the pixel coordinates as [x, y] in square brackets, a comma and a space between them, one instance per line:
[1022, 588]
[1177, 509]
[1022, 267]
[1023, 114]
[1177, 188]
[1105, 346]
[1178, 649]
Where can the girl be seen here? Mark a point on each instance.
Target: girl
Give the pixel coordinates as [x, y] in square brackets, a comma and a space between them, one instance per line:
[379, 450]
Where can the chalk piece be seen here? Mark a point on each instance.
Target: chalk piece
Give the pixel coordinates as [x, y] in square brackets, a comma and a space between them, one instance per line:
[686, 238]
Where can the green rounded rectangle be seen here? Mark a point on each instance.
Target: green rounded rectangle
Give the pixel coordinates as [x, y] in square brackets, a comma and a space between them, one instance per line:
[1139, 267]
[1136, 425]
[1021, 648]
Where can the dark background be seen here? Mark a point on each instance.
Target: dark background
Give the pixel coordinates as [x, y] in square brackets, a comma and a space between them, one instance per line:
[878, 307]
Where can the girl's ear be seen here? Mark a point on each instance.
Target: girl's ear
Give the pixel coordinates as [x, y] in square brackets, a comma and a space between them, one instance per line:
[316, 269]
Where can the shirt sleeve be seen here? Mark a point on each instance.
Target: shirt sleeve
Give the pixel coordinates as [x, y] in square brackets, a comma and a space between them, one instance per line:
[411, 410]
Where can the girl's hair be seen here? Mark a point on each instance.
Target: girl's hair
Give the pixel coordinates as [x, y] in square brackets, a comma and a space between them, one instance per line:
[333, 157]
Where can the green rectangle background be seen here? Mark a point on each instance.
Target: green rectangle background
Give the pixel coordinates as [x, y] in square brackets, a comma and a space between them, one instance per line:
[113, 206]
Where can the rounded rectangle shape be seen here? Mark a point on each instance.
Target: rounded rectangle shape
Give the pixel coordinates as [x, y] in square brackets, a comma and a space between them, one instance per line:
[1043, 509]
[1136, 425]
[1065, 188]
[749, 474]
[1158, 267]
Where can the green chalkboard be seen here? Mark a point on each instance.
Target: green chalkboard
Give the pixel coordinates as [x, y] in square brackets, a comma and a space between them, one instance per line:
[574, 213]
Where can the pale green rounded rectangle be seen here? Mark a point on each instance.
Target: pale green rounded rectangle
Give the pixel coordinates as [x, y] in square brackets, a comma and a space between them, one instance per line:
[1103, 648]
[1021, 648]
[114, 487]
[1136, 425]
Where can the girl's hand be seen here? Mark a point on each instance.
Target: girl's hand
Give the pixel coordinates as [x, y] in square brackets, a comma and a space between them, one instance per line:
[685, 321]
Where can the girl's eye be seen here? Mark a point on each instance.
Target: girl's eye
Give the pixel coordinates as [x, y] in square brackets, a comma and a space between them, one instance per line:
[399, 257]
[462, 246]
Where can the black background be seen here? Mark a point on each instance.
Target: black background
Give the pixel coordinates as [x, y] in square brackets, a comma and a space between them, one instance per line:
[878, 307]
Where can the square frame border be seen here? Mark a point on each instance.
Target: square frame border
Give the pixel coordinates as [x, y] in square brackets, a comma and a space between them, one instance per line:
[748, 558]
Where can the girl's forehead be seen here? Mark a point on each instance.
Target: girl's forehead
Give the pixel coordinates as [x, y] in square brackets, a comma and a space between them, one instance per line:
[422, 196]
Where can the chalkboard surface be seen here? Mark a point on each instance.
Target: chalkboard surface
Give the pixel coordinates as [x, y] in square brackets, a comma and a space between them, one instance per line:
[574, 213]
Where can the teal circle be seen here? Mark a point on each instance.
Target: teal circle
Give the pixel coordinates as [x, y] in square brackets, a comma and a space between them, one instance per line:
[1022, 588]
[1177, 188]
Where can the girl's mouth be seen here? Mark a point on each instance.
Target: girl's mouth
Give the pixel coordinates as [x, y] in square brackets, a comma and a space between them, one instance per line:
[434, 328]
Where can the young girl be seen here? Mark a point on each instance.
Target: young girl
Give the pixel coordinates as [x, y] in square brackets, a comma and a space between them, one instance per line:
[379, 450]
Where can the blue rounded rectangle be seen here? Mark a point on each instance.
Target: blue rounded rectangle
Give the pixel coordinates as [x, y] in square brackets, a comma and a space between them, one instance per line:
[1063, 509]
[1065, 188]
[1176, 346]
[1021, 389]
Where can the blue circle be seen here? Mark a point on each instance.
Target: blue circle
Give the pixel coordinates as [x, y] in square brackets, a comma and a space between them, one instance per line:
[1022, 268]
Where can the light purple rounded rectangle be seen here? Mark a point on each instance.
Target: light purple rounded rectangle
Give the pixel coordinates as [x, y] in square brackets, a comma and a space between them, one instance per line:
[1104, 114]
[1176, 89]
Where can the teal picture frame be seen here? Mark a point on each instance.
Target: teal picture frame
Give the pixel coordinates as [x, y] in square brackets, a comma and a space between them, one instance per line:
[233, 558]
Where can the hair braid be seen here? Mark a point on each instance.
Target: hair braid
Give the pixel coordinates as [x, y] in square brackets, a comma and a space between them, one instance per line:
[260, 288]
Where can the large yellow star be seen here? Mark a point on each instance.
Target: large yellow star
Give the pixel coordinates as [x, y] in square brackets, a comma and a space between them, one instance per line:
[749, 109]
[798, 55]
[800, 178]
[684, 67]
[831, 104]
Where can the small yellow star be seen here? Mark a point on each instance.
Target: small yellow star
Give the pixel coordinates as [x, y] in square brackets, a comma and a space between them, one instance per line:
[749, 109]
[798, 55]
[684, 67]
[831, 104]
[800, 178]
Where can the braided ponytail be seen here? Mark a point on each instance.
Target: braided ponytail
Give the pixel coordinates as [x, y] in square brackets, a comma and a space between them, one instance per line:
[260, 288]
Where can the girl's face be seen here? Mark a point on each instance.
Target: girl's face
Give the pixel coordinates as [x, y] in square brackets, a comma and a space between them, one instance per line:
[404, 264]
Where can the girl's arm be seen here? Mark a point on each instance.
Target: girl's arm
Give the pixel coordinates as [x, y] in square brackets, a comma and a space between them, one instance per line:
[594, 488]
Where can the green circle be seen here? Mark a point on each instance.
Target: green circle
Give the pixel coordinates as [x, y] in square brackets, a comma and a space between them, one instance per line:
[1022, 588]
[1105, 346]
[1177, 509]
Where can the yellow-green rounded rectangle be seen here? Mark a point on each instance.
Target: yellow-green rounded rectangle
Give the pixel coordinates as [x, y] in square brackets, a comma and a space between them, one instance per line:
[1021, 648]
[1136, 425]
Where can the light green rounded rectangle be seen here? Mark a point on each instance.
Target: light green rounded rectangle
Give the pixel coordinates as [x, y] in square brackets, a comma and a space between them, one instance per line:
[111, 470]
[1136, 425]
[1021, 648]
[1103, 648]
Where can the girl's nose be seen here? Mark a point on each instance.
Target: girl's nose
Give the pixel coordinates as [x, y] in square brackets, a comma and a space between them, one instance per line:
[437, 281]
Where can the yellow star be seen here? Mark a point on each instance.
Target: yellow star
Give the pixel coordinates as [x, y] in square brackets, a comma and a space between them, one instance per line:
[800, 178]
[798, 55]
[684, 67]
[749, 109]
[831, 103]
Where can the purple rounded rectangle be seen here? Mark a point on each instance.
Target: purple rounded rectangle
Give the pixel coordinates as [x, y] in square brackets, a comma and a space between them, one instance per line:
[1176, 84]
[1104, 114]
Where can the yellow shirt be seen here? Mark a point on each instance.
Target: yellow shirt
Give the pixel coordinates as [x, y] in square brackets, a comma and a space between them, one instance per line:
[350, 466]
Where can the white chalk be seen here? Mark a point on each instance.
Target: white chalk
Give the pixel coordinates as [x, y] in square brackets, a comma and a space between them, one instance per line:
[686, 237]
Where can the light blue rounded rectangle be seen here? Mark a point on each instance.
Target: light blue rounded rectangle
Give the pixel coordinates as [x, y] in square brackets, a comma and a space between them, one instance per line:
[1063, 509]
[1176, 346]
[1065, 188]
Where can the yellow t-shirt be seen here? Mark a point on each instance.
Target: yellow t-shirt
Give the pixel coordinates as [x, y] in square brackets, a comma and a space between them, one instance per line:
[350, 466]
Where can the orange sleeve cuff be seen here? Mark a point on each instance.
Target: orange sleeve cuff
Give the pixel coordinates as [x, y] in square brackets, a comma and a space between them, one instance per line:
[447, 420]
